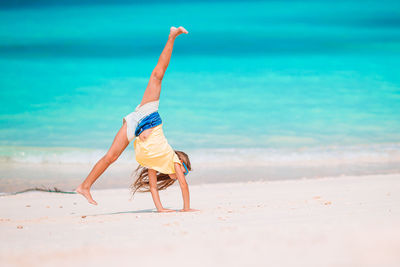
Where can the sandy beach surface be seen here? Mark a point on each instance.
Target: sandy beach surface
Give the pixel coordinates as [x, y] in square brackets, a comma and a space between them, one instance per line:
[342, 221]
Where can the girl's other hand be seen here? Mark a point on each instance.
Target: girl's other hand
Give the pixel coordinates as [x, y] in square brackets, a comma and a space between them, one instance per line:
[186, 210]
[166, 210]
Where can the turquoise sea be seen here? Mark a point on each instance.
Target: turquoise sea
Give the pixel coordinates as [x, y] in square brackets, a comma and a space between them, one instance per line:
[254, 83]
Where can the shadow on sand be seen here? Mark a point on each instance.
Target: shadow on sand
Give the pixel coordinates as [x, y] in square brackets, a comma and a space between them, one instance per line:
[128, 212]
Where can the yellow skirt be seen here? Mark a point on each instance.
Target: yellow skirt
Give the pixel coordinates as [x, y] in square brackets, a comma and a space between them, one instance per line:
[155, 152]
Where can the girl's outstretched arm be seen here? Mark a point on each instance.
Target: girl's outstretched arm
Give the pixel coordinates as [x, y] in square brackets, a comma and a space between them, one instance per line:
[184, 187]
[154, 191]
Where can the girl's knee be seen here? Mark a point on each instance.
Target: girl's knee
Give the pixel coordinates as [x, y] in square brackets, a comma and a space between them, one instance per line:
[157, 75]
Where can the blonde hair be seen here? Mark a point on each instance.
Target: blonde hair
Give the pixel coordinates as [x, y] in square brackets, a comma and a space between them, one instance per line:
[141, 183]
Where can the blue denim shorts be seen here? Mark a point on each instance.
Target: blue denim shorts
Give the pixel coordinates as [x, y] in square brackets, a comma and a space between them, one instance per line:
[132, 119]
[148, 122]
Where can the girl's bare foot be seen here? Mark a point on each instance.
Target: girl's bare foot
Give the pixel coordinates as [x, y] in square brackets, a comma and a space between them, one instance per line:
[188, 210]
[176, 31]
[86, 193]
[166, 210]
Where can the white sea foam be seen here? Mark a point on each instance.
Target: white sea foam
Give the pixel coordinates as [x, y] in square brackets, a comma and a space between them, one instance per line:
[54, 155]
[317, 156]
[221, 157]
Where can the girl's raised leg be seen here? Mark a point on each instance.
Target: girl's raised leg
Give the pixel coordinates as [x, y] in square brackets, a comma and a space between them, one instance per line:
[153, 89]
[117, 147]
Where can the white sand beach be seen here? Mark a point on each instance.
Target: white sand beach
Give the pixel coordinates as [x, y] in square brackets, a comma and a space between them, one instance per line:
[342, 221]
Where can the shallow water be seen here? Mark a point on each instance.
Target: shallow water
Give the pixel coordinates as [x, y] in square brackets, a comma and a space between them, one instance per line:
[281, 77]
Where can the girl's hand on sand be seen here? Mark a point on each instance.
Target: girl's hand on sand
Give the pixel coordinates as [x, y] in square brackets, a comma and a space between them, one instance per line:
[186, 210]
[166, 210]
